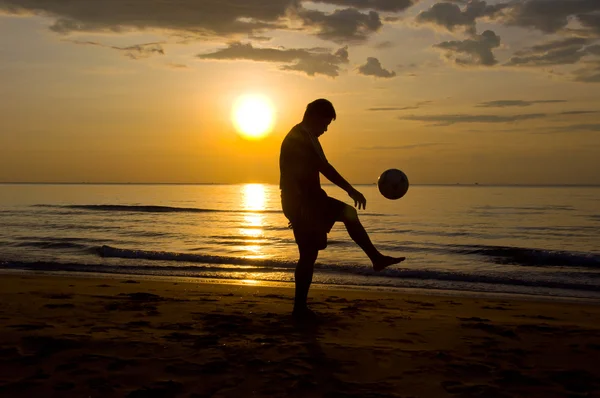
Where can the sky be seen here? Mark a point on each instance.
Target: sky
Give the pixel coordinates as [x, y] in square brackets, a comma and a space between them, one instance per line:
[496, 92]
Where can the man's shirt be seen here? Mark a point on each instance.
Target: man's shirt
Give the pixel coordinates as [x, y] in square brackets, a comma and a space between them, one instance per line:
[300, 162]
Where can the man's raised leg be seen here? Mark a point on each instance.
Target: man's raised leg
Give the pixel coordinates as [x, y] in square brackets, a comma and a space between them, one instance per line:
[359, 235]
[303, 279]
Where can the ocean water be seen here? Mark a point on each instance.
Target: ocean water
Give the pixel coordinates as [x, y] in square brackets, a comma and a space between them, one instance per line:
[529, 240]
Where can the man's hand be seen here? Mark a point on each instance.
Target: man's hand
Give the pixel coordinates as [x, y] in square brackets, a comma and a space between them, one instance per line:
[359, 199]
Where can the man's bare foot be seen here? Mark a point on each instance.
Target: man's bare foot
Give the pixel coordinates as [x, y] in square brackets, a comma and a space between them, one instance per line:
[304, 313]
[383, 262]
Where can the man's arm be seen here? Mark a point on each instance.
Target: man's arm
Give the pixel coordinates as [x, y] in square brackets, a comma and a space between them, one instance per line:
[332, 175]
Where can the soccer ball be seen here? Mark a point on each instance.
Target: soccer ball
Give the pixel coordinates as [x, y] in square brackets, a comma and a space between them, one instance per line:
[393, 184]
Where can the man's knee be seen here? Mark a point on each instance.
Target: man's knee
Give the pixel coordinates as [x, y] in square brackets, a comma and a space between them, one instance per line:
[308, 255]
[349, 214]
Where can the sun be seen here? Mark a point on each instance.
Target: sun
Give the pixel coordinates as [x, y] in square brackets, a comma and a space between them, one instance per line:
[253, 116]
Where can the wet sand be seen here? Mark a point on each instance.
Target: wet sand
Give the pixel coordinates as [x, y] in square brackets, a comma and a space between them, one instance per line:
[130, 337]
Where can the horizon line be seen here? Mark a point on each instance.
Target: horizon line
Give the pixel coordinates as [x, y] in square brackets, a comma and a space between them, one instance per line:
[268, 183]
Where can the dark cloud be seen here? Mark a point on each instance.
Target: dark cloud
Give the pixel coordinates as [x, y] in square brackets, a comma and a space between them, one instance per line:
[384, 45]
[577, 112]
[342, 26]
[478, 49]
[392, 108]
[593, 127]
[591, 21]
[137, 51]
[310, 61]
[373, 68]
[589, 73]
[258, 37]
[450, 15]
[391, 19]
[395, 147]
[320, 63]
[379, 5]
[563, 56]
[199, 17]
[402, 108]
[550, 16]
[447, 120]
[196, 19]
[515, 103]
[556, 45]
[594, 50]
[556, 52]
[171, 65]
[569, 51]
[583, 127]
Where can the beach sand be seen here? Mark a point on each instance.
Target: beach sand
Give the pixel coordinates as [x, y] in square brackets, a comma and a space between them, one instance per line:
[139, 337]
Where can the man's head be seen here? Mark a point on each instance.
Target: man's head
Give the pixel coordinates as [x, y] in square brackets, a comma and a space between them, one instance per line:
[318, 115]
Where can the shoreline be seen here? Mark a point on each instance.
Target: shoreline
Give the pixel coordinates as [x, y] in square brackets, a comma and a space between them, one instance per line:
[533, 297]
[69, 336]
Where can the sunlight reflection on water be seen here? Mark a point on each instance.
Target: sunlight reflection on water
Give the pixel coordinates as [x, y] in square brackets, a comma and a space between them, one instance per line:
[253, 198]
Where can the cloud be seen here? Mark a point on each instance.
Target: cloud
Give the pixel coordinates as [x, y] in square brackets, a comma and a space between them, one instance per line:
[563, 56]
[384, 45]
[258, 37]
[590, 73]
[395, 147]
[172, 65]
[447, 120]
[478, 49]
[591, 127]
[515, 103]
[373, 68]
[557, 52]
[583, 127]
[106, 71]
[403, 108]
[568, 51]
[138, 51]
[556, 44]
[591, 21]
[594, 50]
[450, 15]
[222, 18]
[199, 19]
[342, 26]
[391, 108]
[310, 61]
[577, 112]
[551, 16]
[379, 5]
[142, 50]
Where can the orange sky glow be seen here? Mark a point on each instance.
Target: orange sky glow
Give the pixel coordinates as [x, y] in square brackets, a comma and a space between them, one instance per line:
[496, 92]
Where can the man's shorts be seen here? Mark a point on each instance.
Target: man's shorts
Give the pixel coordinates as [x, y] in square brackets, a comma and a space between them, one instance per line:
[312, 218]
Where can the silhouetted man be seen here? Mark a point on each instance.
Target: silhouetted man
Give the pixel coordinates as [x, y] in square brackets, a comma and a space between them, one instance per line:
[308, 208]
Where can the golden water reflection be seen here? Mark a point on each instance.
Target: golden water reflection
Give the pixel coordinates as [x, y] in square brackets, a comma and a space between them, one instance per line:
[253, 199]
